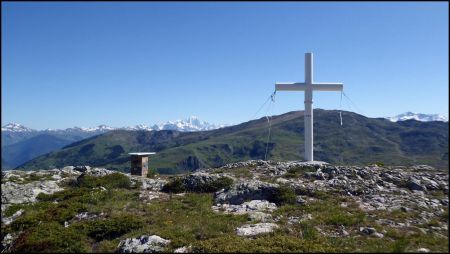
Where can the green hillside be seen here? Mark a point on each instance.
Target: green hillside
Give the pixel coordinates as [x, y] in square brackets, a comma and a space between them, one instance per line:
[360, 140]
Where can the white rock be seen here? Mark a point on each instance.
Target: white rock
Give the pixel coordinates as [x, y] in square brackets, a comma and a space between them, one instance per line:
[10, 219]
[259, 216]
[56, 177]
[143, 244]
[184, 249]
[256, 229]
[247, 207]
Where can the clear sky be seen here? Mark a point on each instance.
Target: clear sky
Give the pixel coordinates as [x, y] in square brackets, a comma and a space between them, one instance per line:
[116, 63]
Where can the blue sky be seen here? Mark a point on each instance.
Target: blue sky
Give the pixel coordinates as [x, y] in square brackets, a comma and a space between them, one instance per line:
[116, 63]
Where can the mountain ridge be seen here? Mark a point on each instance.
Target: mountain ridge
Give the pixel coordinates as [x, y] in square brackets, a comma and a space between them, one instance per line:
[359, 140]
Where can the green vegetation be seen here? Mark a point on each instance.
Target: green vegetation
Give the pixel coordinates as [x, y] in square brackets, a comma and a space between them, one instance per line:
[189, 220]
[151, 173]
[110, 228]
[283, 195]
[296, 172]
[213, 186]
[115, 180]
[51, 237]
[177, 185]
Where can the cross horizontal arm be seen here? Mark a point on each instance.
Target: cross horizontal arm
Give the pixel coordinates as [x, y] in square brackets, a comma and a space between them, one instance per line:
[290, 86]
[327, 86]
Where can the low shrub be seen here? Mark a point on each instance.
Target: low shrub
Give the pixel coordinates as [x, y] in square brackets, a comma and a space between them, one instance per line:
[151, 173]
[216, 185]
[50, 237]
[176, 185]
[62, 195]
[111, 228]
[13, 209]
[114, 180]
[65, 211]
[283, 195]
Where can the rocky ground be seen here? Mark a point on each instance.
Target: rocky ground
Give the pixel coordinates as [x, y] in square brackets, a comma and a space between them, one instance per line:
[245, 206]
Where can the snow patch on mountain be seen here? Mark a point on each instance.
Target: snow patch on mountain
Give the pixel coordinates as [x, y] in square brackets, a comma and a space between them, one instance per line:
[15, 127]
[418, 117]
[192, 123]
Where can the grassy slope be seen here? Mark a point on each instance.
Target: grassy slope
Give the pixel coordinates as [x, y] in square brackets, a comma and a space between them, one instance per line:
[360, 140]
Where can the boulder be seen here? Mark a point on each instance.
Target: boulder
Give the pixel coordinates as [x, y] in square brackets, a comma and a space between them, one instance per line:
[152, 184]
[414, 184]
[143, 244]
[246, 190]
[194, 182]
[13, 193]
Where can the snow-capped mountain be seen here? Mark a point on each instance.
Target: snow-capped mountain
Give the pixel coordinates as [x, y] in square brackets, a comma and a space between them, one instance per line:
[418, 116]
[190, 124]
[15, 127]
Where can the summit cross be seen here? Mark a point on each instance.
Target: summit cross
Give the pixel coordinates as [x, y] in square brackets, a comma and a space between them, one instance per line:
[308, 87]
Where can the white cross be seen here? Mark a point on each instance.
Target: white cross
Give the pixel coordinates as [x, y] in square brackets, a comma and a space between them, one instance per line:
[309, 86]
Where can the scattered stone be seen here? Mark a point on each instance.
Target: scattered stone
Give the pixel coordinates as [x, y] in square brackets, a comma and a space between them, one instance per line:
[300, 200]
[378, 235]
[246, 207]
[259, 217]
[143, 244]
[344, 232]
[423, 250]
[184, 249]
[7, 242]
[10, 219]
[414, 184]
[293, 220]
[305, 217]
[367, 230]
[97, 172]
[152, 184]
[371, 231]
[147, 196]
[85, 216]
[256, 229]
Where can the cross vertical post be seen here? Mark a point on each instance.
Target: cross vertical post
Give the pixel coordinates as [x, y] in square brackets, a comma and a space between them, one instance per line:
[308, 87]
[309, 156]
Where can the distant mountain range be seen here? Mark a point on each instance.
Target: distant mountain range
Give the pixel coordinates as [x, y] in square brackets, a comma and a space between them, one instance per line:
[191, 123]
[360, 140]
[418, 117]
[21, 144]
